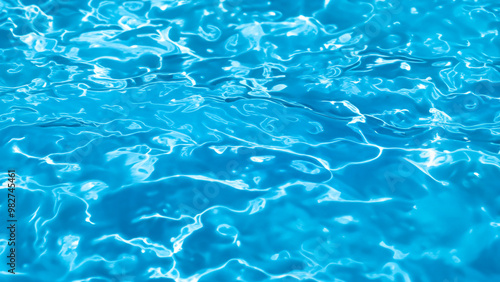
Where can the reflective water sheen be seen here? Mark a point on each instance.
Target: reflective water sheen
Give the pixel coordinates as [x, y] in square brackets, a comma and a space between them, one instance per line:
[236, 140]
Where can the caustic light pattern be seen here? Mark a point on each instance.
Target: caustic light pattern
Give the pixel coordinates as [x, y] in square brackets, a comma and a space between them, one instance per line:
[234, 140]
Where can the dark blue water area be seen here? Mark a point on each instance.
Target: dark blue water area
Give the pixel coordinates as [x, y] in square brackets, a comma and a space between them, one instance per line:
[236, 140]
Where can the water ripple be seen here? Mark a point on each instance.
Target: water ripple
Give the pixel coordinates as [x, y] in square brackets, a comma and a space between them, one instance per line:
[252, 141]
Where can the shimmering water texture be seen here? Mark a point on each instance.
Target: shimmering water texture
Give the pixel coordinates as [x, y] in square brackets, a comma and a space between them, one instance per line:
[253, 140]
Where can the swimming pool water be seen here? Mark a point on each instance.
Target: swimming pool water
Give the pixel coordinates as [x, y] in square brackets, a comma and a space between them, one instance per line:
[236, 140]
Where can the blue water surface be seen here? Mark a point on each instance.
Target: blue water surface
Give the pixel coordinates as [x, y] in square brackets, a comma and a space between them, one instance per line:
[190, 140]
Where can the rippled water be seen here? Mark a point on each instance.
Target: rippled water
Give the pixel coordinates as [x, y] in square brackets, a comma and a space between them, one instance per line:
[252, 140]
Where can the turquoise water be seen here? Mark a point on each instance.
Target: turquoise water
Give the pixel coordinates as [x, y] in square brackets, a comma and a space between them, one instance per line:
[251, 140]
